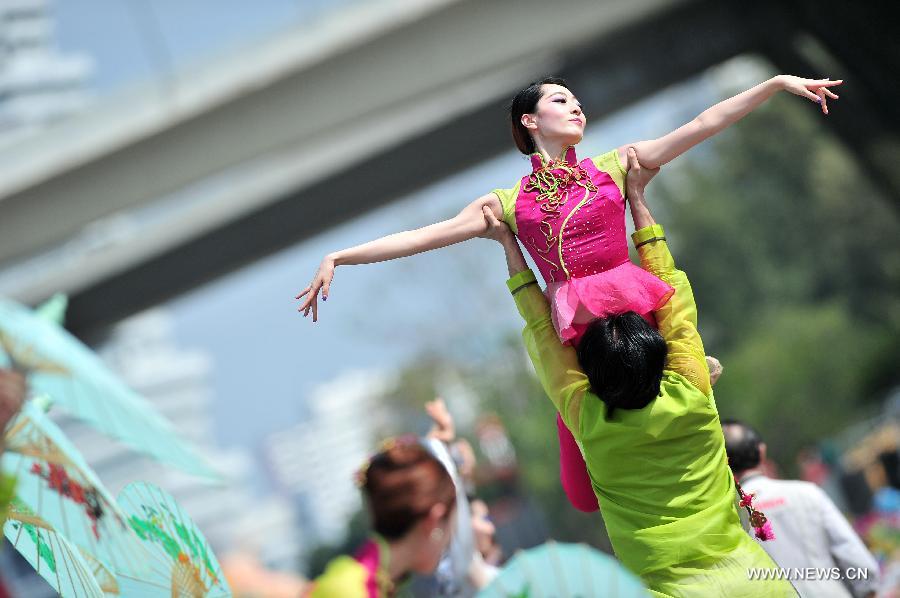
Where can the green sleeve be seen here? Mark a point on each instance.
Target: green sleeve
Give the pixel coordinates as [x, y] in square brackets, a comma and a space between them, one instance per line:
[556, 364]
[612, 165]
[507, 199]
[343, 577]
[677, 319]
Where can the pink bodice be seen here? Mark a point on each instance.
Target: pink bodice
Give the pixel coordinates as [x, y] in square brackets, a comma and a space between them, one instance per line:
[588, 235]
[570, 216]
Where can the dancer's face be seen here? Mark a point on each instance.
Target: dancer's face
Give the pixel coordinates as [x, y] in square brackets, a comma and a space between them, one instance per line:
[558, 116]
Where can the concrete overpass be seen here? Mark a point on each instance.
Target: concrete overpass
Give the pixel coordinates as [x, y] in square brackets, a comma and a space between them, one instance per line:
[148, 196]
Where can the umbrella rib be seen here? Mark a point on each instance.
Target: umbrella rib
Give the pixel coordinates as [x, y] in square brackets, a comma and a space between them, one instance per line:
[528, 573]
[18, 535]
[87, 578]
[202, 544]
[65, 562]
[554, 554]
[586, 567]
[151, 547]
[146, 581]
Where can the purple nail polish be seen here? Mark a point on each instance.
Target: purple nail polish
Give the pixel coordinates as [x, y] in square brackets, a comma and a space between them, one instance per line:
[324, 298]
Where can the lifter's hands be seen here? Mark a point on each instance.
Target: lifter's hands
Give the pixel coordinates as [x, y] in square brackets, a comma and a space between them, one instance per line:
[321, 281]
[495, 229]
[638, 177]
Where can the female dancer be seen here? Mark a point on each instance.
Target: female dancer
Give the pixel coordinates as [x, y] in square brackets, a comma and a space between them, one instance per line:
[570, 216]
[411, 500]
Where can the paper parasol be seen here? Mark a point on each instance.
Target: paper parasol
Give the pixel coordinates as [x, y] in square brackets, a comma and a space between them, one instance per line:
[51, 555]
[55, 482]
[103, 575]
[62, 367]
[554, 569]
[182, 563]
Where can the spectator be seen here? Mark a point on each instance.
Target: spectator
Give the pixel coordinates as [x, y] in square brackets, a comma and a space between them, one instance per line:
[810, 532]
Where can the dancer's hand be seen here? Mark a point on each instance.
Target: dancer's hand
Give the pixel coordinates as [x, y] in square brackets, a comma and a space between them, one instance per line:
[321, 281]
[637, 177]
[815, 90]
[495, 229]
[443, 428]
[12, 395]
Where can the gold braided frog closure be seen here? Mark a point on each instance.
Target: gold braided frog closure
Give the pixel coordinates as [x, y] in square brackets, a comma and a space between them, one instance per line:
[553, 184]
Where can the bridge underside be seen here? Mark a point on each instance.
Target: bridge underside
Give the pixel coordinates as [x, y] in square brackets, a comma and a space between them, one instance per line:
[451, 120]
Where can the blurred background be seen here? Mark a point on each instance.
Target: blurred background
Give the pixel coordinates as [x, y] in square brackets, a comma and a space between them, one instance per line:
[179, 169]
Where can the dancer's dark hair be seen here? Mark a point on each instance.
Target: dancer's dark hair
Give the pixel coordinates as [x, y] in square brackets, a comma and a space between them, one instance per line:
[742, 444]
[525, 102]
[623, 357]
[402, 483]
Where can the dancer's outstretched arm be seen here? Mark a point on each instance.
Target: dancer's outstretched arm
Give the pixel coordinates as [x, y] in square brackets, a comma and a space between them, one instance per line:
[656, 152]
[469, 223]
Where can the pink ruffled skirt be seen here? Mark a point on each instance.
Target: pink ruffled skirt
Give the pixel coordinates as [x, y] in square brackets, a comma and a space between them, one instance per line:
[575, 302]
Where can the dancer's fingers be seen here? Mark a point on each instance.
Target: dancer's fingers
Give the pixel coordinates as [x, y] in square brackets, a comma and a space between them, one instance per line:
[315, 310]
[810, 95]
[823, 100]
[829, 82]
[305, 291]
[830, 94]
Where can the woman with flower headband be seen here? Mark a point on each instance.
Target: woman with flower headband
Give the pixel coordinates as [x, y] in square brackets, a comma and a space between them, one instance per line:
[411, 500]
[570, 216]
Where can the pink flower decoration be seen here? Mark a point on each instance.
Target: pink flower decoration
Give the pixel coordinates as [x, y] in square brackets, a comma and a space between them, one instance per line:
[746, 500]
[765, 532]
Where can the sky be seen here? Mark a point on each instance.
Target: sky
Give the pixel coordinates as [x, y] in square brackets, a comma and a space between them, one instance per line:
[267, 358]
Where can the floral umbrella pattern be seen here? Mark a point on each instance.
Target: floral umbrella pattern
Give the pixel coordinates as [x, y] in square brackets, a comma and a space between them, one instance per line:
[51, 555]
[55, 483]
[183, 562]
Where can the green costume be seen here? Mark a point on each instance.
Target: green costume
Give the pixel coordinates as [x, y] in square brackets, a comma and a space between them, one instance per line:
[660, 473]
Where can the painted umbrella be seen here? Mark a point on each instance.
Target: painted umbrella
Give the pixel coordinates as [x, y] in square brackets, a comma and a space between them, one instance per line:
[60, 366]
[55, 483]
[556, 570]
[51, 555]
[182, 563]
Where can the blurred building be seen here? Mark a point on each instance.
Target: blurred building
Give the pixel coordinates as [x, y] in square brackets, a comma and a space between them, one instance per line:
[143, 351]
[38, 83]
[315, 461]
